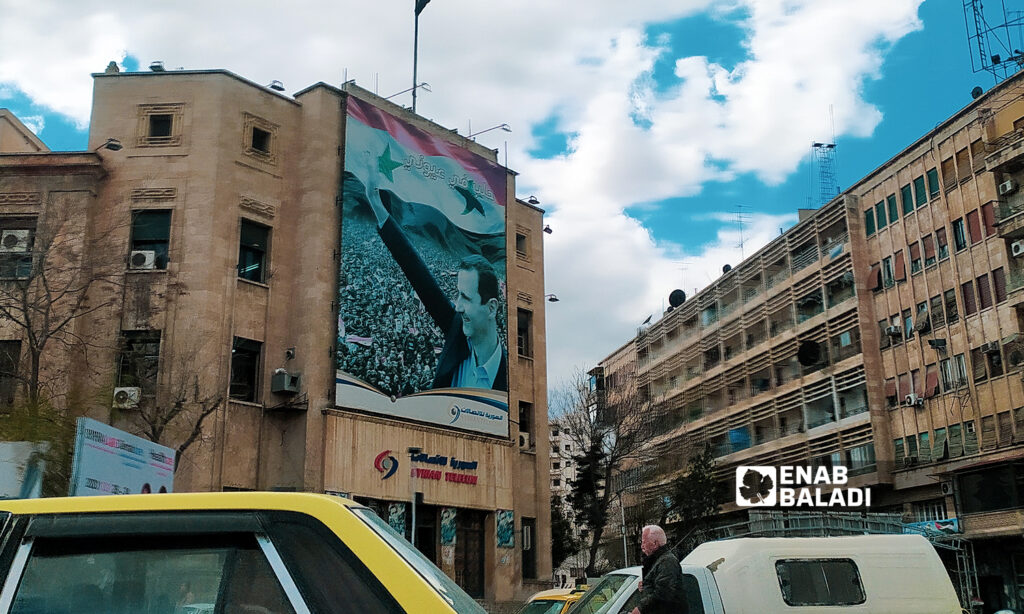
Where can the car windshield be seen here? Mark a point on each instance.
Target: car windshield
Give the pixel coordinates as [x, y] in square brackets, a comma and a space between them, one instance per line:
[543, 606]
[449, 590]
[601, 594]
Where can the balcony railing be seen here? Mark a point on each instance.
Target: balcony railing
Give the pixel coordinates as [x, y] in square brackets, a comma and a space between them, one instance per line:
[1016, 279]
[776, 278]
[1007, 210]
[805, 258]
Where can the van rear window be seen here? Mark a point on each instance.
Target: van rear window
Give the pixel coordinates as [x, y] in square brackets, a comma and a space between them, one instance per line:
[818, 582]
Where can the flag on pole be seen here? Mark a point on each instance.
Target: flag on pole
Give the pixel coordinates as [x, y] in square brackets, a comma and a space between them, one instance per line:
[420, 5]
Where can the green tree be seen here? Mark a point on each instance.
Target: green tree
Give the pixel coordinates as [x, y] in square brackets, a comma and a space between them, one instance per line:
[692, 497]
[564, 542]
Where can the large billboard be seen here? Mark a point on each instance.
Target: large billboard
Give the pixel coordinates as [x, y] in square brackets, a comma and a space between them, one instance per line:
[109, 461]
[422, 323]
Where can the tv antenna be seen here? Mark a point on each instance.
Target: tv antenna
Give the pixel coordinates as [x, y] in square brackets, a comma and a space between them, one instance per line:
[994, 37]
[741, 218]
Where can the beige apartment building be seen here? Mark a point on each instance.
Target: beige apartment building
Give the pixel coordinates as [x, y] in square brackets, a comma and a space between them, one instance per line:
[218, 209]
[882, 332]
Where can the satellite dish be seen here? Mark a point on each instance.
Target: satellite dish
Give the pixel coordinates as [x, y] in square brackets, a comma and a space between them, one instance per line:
[977, 92]
[726, 269]
[676, 298]
[809, 353]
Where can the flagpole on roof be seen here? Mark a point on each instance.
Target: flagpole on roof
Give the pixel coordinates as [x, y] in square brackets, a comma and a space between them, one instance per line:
[420, 5]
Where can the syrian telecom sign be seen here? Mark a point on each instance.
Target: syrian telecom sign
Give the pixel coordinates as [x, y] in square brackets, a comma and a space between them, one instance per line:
[789, 486]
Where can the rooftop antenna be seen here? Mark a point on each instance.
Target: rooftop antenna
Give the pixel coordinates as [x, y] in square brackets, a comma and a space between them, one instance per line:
[419, 6]
[994, 37]
[825, 157]
[741, 220]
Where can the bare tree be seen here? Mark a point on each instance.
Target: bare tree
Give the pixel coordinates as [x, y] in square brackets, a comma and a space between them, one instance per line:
[175, 409]
[611, 427]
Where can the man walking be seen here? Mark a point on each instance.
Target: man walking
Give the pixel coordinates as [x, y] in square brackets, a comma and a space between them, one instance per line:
[661, 588]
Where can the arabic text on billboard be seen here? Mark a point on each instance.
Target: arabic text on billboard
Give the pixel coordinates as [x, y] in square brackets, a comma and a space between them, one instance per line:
[109, 461]
[422, 321]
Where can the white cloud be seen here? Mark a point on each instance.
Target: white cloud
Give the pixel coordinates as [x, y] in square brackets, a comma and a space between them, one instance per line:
[35, 123]
[520, 63]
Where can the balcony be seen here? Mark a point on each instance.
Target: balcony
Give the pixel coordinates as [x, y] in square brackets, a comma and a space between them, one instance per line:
[1008, 218]
[993, 524]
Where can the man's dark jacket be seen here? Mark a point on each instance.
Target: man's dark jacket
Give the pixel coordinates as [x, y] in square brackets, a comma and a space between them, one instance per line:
[456, 346]
[663, 584]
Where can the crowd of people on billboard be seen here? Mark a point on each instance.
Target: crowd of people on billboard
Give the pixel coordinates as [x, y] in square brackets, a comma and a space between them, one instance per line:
[385, 334]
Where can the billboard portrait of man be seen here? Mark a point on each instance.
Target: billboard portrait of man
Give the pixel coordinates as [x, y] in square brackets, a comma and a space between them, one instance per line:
[423, 261]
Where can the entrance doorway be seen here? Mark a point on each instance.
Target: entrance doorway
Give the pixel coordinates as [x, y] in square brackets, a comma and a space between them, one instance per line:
[469, 552]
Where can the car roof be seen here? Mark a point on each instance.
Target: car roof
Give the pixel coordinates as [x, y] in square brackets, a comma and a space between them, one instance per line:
[307, 503]
[554, 594]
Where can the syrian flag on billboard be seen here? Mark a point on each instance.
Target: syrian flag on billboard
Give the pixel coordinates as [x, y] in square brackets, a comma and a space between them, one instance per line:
[421, 169]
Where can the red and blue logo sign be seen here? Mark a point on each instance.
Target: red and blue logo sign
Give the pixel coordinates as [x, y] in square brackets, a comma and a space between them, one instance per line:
[386, 464]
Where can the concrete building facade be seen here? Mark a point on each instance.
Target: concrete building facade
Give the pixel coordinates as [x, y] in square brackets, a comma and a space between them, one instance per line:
[214, 170]
[883, 333]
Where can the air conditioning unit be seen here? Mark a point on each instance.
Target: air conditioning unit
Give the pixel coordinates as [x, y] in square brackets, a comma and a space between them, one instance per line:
[127, 397]
[893, 331]
[946, 488]
[142, 259]
[1007, 187]
[992, 347]
[1017, 249]
[912, 400]
[14, 241]
[283, 382]
[525, 441]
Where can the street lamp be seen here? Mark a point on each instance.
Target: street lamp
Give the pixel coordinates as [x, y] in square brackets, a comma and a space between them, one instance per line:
[413, 451]
[111, 144]
[504, 127]
[423, 86]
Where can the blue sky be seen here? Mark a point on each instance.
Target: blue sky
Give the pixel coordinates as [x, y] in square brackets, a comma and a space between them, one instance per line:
[640, 126]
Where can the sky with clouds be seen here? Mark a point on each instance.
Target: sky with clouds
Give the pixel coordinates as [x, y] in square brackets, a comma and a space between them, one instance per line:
[642, 126]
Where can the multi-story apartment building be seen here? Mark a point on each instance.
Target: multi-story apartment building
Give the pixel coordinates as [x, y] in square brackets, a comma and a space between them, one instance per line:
[220, 204]
[882, 332]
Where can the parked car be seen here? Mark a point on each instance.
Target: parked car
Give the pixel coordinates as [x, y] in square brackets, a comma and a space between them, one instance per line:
[861, 574]
[554, 601]
[265, 553]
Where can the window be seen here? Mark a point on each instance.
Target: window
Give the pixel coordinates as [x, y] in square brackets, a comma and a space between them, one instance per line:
[959, 238]
[931, 381]
[933, 182]
[974, 227]
[978, 365]
[900, 267]
[967, 290]
[946, 371]
[890, 393]
[159, 125]
[556, 481]
[906, 199]
[139, 362]
[17, 235]
[894, 211]
[978, 155]
[861, 459]
[988, 219]
[920, 196]
[912, 445]
[999, 281]
[938, 319]
[524, 332]
[908, 324]
[252, 251]
[963, 165]
[929, 250]
[948, 174]
[526, 418]
[915, 258]
[819, 582]
[942, 243]
[949, 298]
[929, 511]
[880, 214]
[869, 222]
[245, 369]
[994, 488]
[904, 385]
[521, 252]
[151, 232]
[995, 362]
[529, 547]
[887, 272]
[984, 292]
[961, 370]
[884, 339]
[10, 356]
[124, 574]
[260, 138]
[915, 382]
[897, 323]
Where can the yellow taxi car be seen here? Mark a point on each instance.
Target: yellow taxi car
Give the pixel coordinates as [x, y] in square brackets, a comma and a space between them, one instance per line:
[554, 601]
[230, 553]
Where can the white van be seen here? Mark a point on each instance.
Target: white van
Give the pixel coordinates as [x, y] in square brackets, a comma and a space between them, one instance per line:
[880, 574]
